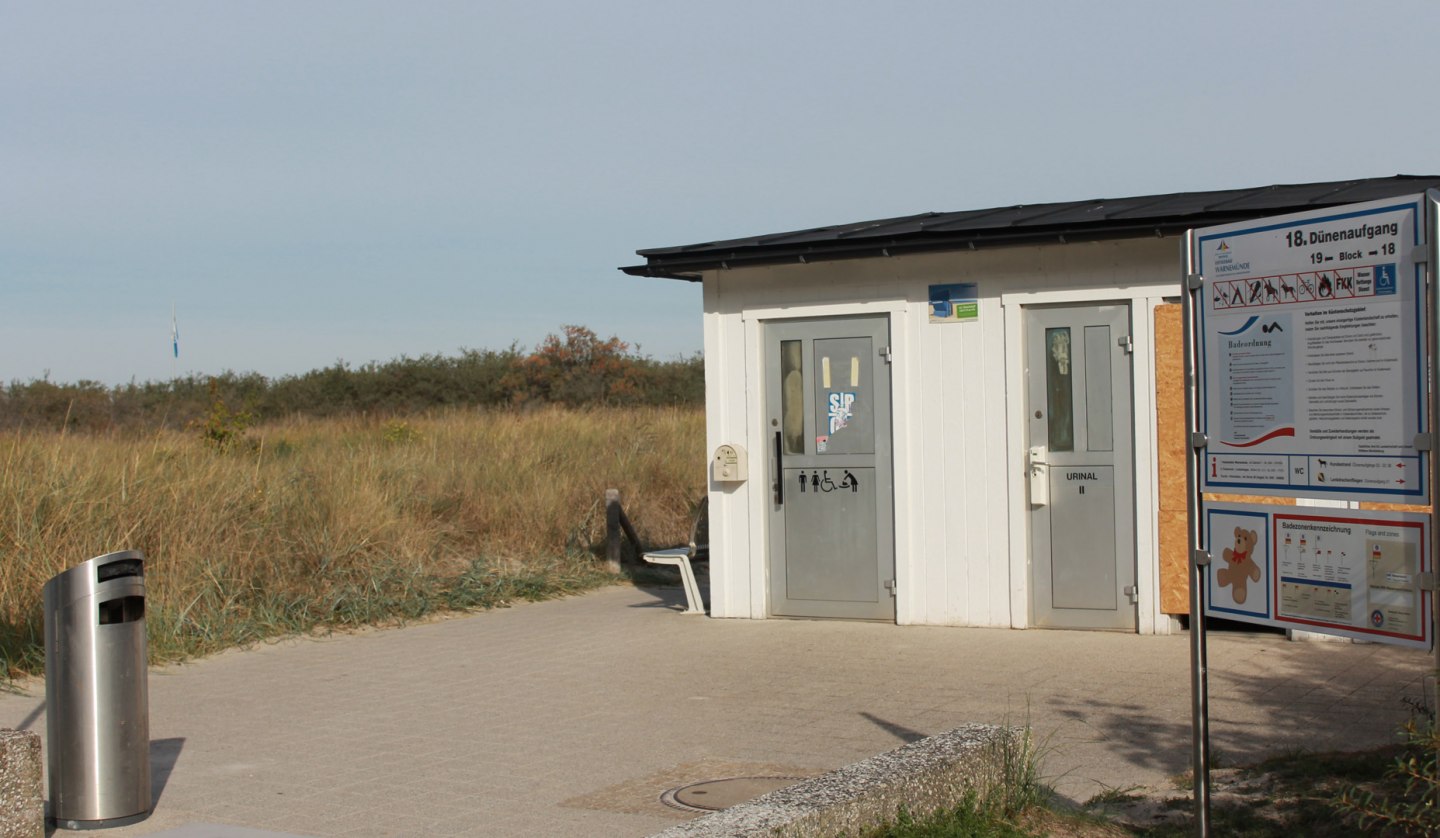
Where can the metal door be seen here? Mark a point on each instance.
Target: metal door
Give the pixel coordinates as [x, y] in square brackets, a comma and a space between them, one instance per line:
[1082, 508]
[827, 403]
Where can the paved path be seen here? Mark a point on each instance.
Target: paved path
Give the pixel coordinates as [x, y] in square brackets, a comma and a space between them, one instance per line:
[571, 717]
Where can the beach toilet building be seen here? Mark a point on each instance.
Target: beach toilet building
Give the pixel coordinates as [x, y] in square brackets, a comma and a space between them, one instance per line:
[968, 418]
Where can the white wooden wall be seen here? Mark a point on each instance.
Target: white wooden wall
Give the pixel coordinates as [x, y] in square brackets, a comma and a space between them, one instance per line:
[961, 540]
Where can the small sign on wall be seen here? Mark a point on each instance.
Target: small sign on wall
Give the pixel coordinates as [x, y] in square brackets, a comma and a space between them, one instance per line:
[954, 303]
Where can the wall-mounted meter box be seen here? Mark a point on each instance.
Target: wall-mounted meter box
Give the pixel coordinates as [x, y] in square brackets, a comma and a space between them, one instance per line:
[729, 464]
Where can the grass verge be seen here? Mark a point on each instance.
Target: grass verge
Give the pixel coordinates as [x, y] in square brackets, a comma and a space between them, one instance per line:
[1289, 795]
[995, 811]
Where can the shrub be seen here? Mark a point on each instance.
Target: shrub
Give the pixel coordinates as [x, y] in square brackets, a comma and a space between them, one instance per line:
[1416, 808]
[575, 368]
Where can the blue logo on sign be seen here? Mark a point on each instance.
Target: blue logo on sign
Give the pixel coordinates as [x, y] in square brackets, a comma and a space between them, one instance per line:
[1385, 279]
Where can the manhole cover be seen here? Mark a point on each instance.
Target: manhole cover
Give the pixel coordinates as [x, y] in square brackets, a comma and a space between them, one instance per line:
[714, 795]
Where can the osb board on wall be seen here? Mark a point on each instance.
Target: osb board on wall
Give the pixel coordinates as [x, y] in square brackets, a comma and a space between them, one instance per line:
[1170, 427]
[1393, 507]
[1170, 457]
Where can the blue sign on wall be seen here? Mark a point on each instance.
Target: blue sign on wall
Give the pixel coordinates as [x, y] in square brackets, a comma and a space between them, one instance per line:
[954, 303]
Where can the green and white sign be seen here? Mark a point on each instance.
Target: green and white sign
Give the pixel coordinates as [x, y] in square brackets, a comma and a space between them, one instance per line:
[954, 303]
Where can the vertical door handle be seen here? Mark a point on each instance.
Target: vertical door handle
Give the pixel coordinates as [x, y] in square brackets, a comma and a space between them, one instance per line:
[1039, 476]
[779, 471]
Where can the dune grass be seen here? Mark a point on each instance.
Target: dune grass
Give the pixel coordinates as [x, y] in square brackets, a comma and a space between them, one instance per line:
[293, 526]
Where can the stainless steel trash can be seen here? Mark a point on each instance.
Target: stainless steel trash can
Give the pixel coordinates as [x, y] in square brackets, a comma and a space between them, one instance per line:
[96, 698]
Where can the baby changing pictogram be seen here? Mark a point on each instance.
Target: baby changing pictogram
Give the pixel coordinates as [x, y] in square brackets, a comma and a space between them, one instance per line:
[820, 481]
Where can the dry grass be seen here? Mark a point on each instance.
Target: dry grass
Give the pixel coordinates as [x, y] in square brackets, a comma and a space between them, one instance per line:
[330, 522]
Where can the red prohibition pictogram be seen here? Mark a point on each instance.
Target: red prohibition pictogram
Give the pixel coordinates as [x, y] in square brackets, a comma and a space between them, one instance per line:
[1310, 287]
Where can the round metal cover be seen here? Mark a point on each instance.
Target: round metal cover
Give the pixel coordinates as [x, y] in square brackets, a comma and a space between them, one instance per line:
[714, 795]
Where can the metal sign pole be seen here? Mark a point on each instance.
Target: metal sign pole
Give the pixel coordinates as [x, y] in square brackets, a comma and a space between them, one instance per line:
[1198, 558]
[1432, 310]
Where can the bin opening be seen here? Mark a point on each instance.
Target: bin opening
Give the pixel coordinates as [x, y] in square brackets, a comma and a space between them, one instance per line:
[117, 570]
[125, 609]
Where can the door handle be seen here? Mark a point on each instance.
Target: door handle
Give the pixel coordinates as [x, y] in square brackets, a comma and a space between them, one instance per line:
[779, 471]
[1039, 476]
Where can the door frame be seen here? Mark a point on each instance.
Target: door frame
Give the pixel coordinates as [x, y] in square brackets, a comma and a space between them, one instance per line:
[903, 495]
[1145, 494]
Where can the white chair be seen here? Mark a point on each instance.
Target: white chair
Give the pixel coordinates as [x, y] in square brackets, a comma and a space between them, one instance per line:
[682, 557]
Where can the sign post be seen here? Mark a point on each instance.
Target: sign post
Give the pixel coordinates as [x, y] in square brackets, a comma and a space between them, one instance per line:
[1198, 558]
[1311, 372]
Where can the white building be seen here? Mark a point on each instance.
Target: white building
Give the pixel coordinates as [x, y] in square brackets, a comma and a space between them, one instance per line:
[966, 418]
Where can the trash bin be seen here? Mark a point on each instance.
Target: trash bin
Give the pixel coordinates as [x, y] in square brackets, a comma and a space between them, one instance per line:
[96, 700]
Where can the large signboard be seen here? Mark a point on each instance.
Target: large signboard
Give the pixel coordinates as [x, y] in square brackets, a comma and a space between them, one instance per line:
[1312, 375]
[1350, 573]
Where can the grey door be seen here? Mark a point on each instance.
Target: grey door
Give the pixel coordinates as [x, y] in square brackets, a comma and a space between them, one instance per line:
[827, 403]
[1079, 449]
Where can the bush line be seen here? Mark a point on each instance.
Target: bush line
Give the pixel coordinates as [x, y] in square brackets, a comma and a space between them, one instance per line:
[575, 369]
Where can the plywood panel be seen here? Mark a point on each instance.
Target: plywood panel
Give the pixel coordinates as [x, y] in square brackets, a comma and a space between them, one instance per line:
[1170, 429]
[1393, 507]
[1170, 407]
[1222, 497]
[1174, 568]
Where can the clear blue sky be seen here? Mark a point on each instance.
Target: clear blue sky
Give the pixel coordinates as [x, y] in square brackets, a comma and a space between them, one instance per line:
[313, 181]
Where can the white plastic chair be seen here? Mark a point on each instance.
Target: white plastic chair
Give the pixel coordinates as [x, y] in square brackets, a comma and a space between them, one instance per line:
[682, 557]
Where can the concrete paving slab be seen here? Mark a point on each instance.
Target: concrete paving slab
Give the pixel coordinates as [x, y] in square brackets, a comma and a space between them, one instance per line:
[507, 722]
[216, 830]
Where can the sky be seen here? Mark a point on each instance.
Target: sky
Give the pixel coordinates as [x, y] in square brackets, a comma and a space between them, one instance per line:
[308, 182]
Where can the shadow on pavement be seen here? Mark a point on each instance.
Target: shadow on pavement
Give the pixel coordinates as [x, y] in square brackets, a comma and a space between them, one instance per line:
[1266, 696]
[904, 734]
[164, 753]
[29, 720]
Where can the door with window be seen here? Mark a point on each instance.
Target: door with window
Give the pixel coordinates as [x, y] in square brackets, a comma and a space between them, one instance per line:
[1080, 467]
[827, 414]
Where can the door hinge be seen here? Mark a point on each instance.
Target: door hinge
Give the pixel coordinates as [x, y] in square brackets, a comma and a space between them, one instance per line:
[1133, 592]
[891, 586]
[885, 353]
[1126, 344]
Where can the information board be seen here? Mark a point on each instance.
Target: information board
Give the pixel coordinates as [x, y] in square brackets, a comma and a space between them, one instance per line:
[1311, 372]
[1352, 573]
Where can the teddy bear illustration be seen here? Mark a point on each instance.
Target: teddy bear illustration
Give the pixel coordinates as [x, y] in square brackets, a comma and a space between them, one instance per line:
[1240, 568]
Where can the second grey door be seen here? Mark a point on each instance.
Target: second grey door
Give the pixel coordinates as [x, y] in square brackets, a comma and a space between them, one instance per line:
[1082, 507]
[827, 405]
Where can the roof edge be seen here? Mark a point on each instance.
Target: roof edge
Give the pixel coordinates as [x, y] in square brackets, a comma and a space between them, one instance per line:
[1020, 224]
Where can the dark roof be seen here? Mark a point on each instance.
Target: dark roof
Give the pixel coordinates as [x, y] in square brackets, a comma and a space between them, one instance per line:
[1149, 215]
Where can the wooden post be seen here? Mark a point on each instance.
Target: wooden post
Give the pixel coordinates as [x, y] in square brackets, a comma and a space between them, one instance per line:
[629, 530]
[612, 529]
